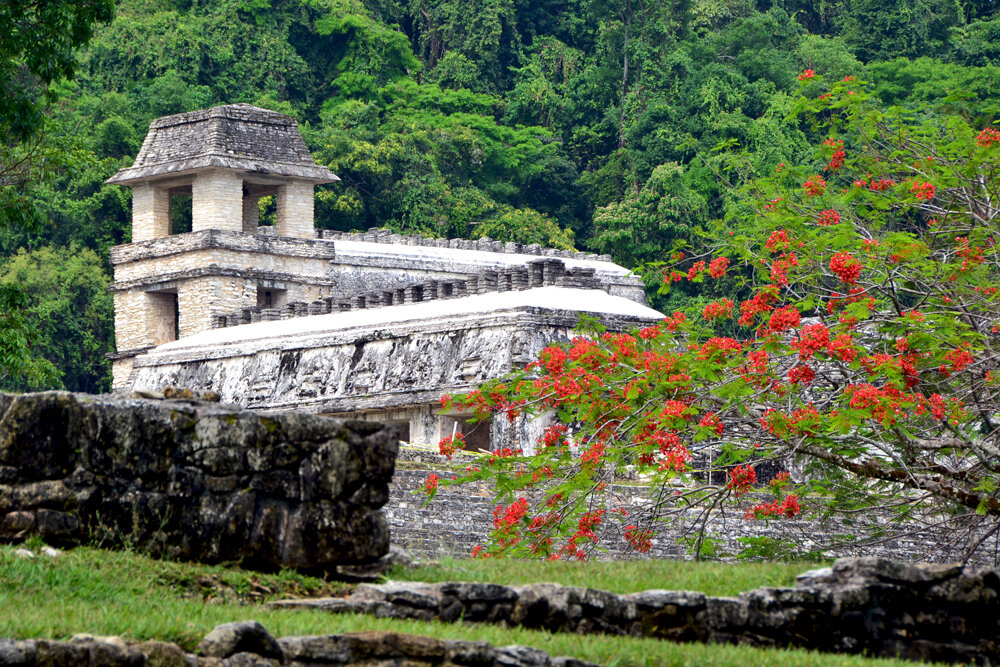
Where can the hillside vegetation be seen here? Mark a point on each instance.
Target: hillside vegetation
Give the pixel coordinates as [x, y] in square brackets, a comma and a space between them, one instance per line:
[594, 124]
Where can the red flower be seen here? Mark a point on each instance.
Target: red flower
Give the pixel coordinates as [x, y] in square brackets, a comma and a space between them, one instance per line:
[846, 267]
[988, 137]
[923, 190]
[721, 309]
[711, 421]
[828, 218]
[815, 185]
[784, 318]
[717, 268]
[741, 478]
[808, 74]
[801, 374]
[449, 445]
[431, 484]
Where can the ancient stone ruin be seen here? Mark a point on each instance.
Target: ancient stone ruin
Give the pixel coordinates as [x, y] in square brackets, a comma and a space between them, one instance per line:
[374, 326]
[193, 480]
[248, 644]
[860, 605]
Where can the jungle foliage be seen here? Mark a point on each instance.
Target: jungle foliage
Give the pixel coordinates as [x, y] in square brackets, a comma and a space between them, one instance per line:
[599, 124]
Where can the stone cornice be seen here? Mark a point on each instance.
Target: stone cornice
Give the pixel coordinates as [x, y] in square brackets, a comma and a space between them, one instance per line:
[520, 318]
[175, 244]
[216, 270]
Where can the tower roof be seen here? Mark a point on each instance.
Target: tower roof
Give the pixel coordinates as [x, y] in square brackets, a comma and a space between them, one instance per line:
[234, 136]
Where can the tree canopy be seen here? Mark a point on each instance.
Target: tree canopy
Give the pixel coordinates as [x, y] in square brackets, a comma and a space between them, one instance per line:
[598, 123]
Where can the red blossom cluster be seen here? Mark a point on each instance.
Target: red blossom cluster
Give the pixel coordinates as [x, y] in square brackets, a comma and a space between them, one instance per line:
[958, 359]
[675, 320]
[887, 404]
[988, 137]
[640, 540]
[718, 310]
[812, 338]
[741, 478]
[506, 522]
[711, 421]
[784, 318]
[431, 484]
[720, 346]
[846, 267]
[451, 444]
[778, 240]
[801, 374]
[592, 456]
[828, 218]
[923, 190]
[554, 435]
[814, 186]
[759, 304]
[717, 267]
[804, 421]
[971, 256]
[788, 508]
[780, 267]
[808, 74]
[837, 159]
[503, 453]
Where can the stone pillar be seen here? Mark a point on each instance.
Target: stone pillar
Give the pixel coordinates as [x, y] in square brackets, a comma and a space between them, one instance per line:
[295, 210]
[217, 201]
[150, 212]
[251, 214]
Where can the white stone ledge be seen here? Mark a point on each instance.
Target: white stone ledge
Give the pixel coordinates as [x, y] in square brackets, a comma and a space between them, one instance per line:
[543, 306]
[165, 246]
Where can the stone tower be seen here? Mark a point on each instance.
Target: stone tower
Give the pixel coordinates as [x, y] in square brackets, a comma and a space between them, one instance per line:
[219, 162]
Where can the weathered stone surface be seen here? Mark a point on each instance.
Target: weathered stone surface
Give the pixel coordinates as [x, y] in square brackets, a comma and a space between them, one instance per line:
[875, 606]
[194, 480]
[240, 637]
[249, 645]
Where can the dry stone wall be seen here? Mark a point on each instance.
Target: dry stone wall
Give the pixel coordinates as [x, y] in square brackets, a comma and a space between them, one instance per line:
[461, 518]
[193, 480]
[860, 605]
[248, 644]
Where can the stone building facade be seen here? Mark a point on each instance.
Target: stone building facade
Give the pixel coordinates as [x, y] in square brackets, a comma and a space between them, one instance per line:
[375, 325]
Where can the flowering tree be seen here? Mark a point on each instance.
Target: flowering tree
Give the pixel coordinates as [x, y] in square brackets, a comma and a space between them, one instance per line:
[862, 350]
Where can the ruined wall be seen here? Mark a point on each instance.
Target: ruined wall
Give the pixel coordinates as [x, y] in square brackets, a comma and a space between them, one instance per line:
[461, 518]
[193, 480]
[375, 366]
[247, 643]
[860, 605]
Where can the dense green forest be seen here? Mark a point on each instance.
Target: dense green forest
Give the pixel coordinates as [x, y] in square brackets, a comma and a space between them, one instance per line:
[605, 125]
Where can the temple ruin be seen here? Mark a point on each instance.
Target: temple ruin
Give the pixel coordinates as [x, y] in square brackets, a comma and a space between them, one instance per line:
[374, 326]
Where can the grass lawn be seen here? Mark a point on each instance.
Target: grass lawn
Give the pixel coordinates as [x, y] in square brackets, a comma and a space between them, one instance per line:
[709, 577]
[114, 593]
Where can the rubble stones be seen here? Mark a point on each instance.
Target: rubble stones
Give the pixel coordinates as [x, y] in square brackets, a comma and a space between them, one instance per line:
[194, 480]
[870, 605]
[219, 649]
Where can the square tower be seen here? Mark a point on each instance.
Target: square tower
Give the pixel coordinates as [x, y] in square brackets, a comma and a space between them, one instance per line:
[171, 282]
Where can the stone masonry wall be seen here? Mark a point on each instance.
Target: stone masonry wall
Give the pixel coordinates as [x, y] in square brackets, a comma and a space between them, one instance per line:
[193, 480]
[243, 262]
[461, 518]
[860, 605]
[248, 644]
[150, 212]
[217, 200]
[201, 300]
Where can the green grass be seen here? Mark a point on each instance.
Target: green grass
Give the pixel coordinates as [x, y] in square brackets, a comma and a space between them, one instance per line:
[113, 593]
[709, 577]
